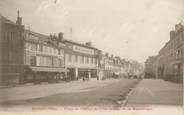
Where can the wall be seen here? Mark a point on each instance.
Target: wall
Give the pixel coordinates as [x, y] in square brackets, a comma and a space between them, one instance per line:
[73, 58]
[12, 51]
[171, 56]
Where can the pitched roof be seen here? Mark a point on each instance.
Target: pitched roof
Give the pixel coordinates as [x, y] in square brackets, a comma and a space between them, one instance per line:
[6, 20]
[41, 37]
[36, 34]
[83, 45]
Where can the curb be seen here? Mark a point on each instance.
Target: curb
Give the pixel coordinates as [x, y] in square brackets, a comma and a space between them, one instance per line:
[125, 101]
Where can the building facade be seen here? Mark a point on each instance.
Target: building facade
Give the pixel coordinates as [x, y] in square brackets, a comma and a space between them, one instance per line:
[43, 58]
[11, 50]
[108, 66]
[168, 64]
[171, 56]
[82, 60]
[150, 67]
[115, 67]
[28, 56]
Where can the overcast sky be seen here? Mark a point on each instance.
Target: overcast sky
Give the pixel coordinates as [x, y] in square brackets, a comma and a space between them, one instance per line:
[132, 29]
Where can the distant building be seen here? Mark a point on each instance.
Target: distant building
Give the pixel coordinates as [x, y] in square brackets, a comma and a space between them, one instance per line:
[115, 67]
[124, 69]
[136, 69]
[109, 67]
[150, 68]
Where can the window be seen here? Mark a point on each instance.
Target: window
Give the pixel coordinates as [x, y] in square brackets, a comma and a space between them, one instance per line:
[56, 62]
[46, 49]
[82, 59]
[69, 58]
[57, 52]
[76, 58]
[33, 60]
[39, 48]
[10, 56]
[31, 46]
[61, 62]
[92, 60]
[54, 51]
[61, 52]
[95, 61]
[5, 36]
[49, 49]
[10, 36]
[44, 61]
[87, 60]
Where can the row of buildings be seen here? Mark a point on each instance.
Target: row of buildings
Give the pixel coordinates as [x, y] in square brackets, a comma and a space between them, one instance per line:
[168, 64]
[28, 56]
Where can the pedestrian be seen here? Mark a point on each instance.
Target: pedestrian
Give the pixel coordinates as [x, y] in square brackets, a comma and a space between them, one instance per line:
[83, 78]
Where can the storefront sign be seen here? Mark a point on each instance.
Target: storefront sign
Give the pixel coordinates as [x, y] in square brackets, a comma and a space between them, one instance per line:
[83, 50]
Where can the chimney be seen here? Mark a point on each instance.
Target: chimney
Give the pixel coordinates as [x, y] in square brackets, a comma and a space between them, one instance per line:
[107, 54]
[60, 36]
[88, 43]
[19, 19]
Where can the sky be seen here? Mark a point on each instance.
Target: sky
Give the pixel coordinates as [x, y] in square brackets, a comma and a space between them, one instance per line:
[131, 29]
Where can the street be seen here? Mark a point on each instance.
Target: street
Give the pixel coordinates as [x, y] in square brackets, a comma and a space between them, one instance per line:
[123, 56]
[78, 93]
[95, 93]
[156, 92]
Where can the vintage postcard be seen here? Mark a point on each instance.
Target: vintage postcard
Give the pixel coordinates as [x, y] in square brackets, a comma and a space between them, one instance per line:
[91, 56]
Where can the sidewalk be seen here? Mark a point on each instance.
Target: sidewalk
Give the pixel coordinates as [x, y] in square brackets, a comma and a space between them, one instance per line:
[156, 92]
[42, 90]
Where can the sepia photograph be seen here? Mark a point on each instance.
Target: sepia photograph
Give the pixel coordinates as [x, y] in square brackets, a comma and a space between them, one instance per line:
[123, 56]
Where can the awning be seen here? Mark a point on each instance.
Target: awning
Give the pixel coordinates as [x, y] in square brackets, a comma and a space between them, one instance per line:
[48, 69]
[116, 73]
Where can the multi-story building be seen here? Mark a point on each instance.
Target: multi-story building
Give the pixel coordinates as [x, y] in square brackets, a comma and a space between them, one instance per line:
[113, 66]
[124, 68]
[117, 65]
[169, 61]
[171, 56]
[107, 67]
[43, 56]
[82, 60]
[28, 56]
[11, 51]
